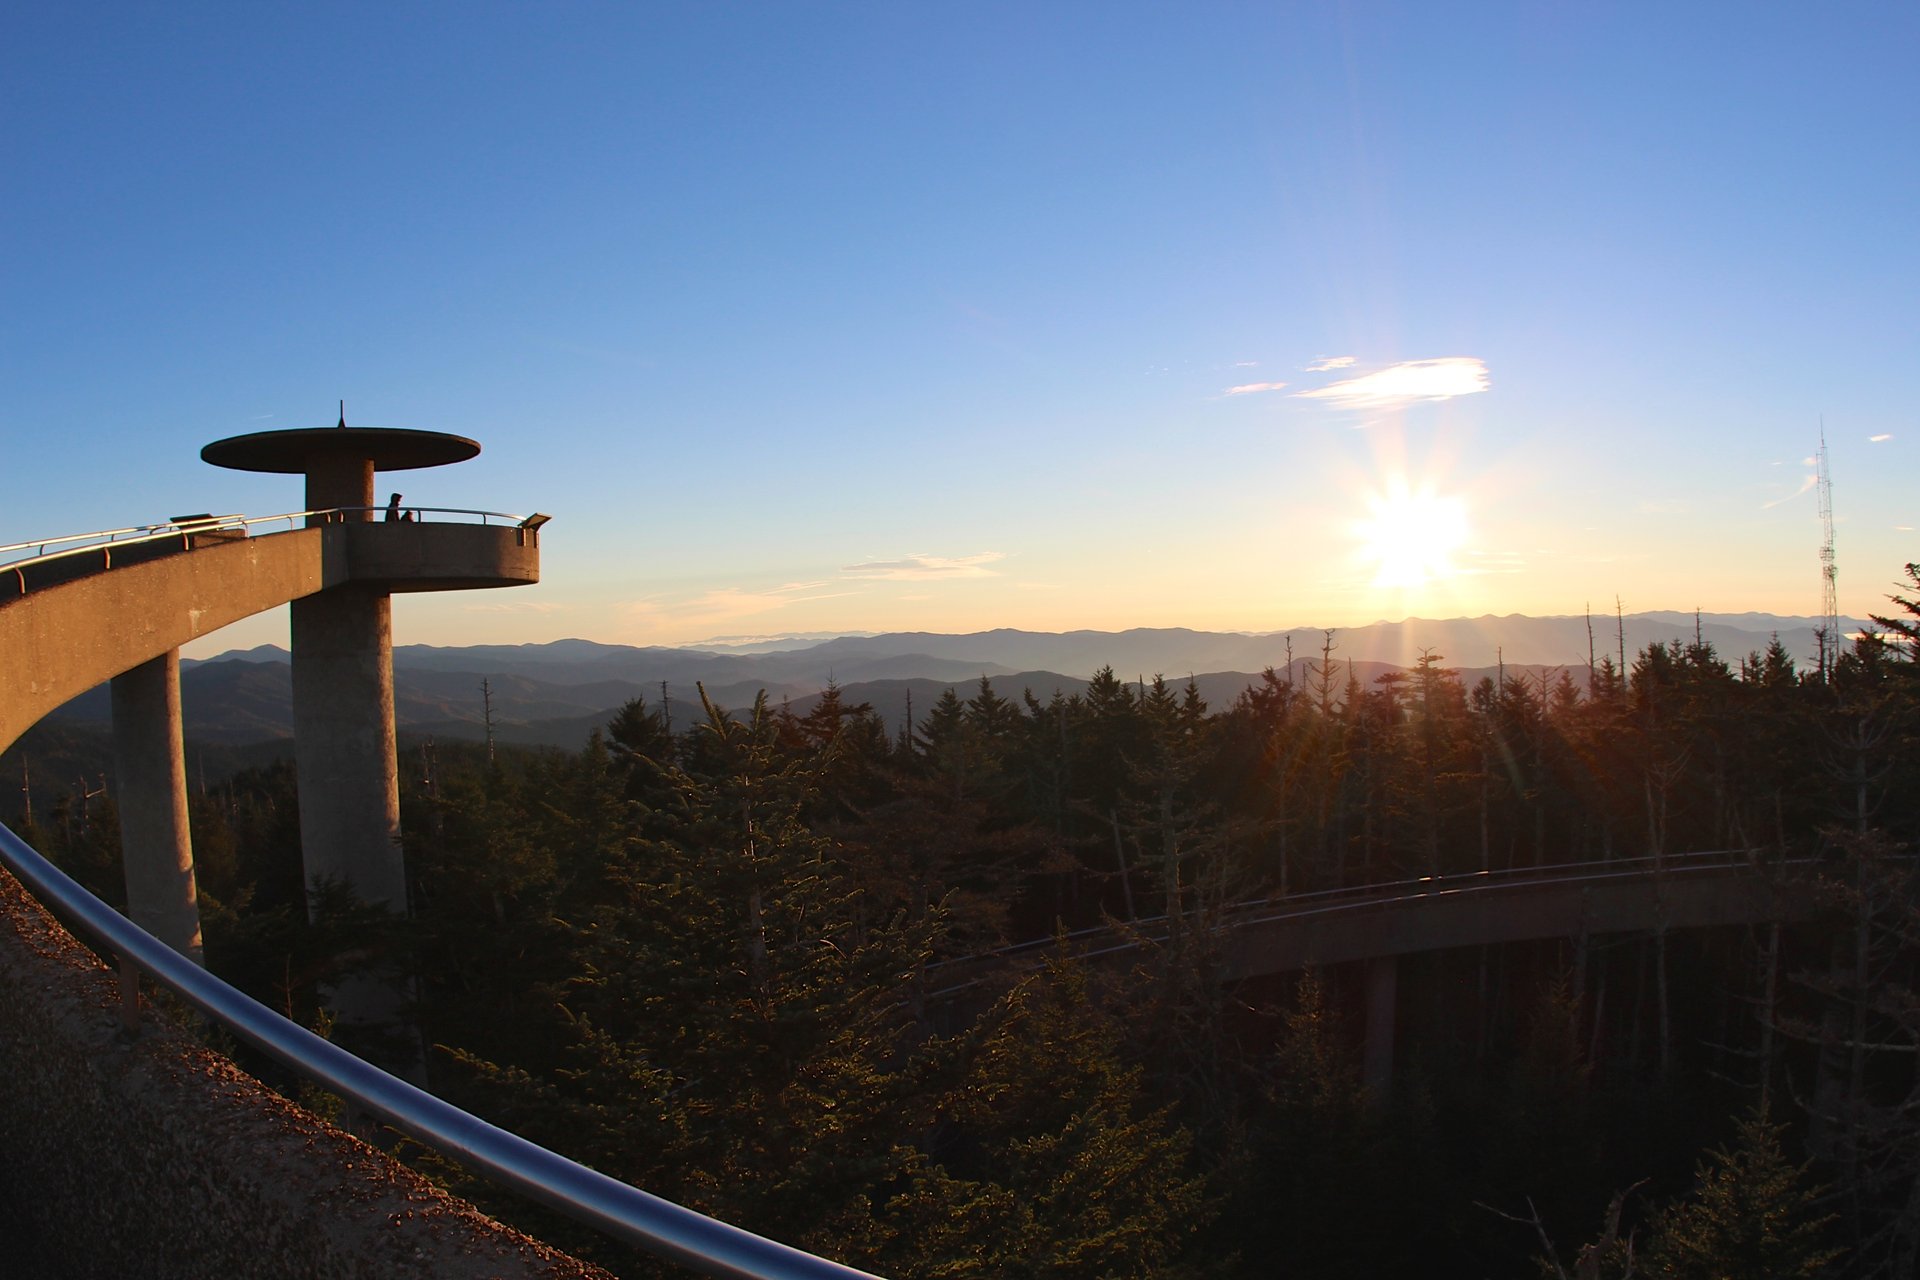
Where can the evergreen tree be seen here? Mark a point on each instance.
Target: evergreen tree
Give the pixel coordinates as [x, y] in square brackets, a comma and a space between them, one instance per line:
[1318, 1178]
[1751, 1213]
[1051, 1164]
[735, 1020]
[949, 748]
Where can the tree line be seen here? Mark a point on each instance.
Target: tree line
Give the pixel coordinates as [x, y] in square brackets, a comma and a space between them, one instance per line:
[701, 955]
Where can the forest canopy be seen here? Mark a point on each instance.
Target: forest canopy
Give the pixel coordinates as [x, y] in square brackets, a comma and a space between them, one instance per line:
[710, 958]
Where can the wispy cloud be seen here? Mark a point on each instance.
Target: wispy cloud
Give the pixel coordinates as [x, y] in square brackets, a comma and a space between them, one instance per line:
[1406, 383]
[1250, 388]
[517, 606]
[1885, 435]
[1806, 483]
[1326, 364]
[1245, 364]
[926, 568]
[682, 617]
[709, 608]
[1484, 562]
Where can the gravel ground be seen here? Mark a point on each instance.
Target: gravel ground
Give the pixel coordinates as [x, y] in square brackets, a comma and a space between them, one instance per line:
[21, 1257]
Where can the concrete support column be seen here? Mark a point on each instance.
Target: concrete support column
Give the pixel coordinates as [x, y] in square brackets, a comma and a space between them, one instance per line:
[1383, 995]
[150, 771]
[341, 480]
[342, 641]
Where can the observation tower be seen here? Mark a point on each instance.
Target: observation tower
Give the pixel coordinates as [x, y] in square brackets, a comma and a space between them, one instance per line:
[342, 636]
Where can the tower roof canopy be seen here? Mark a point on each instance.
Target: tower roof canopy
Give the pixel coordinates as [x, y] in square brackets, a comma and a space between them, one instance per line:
[297, 451]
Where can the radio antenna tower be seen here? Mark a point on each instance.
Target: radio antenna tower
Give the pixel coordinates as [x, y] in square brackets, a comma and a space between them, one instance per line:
[1829, 572]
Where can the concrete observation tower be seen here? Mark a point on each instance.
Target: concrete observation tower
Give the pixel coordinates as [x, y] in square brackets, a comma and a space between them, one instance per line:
[342, 635]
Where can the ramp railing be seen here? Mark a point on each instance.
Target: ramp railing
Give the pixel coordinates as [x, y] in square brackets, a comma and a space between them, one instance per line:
[621, 1212]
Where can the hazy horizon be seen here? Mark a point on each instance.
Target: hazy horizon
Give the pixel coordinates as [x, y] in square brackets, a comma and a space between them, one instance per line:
[271, 629]
[1547, 640]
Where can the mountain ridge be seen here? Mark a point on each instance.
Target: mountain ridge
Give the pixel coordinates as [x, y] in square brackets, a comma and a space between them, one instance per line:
[557, 691]
[1487, 640]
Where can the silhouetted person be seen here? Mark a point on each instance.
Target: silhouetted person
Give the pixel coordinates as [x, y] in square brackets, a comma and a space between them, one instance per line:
[393, 508]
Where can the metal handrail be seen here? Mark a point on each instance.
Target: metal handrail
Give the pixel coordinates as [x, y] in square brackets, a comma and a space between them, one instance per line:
[448, 511]
[622, 1212]
[108, 537]
[115, 538]
[103, 535]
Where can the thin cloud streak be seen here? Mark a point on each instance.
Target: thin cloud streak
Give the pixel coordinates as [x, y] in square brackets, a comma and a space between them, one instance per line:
[1402, 384]
[926, 568]
[1879, 438]
[718, 605]
[1326, 364]
[1491, 562]
[1806, 483]
[678, 618]
[1250, 388]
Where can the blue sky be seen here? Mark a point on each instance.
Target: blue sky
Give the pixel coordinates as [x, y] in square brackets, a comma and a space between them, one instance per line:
[886, 317]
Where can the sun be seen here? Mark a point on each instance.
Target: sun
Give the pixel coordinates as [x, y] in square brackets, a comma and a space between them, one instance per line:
[1409, 536]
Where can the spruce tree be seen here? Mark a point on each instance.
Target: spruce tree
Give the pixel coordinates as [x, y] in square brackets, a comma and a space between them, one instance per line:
[1751, 1213]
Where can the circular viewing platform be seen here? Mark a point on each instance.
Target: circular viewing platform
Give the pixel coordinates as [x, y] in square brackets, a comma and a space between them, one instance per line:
[296, 452]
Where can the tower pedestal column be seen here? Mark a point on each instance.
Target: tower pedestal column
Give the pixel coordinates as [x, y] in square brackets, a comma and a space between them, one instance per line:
[1383, 987]
[343, 694]
[342, 641]
[149, 765]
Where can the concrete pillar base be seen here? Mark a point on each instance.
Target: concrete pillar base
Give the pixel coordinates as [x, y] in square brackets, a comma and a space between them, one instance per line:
[1383, 993]
[150, 772]
[342, 641]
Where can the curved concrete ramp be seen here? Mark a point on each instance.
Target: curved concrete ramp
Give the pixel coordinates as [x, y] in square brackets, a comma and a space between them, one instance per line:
[1515, 910]
[69, 624]
[1379, 922]
[59, 641]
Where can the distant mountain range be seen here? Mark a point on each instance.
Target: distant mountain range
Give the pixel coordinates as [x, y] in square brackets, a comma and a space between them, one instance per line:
[557, 693]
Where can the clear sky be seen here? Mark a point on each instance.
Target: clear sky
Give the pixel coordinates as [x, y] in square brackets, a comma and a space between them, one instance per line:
[809, 317]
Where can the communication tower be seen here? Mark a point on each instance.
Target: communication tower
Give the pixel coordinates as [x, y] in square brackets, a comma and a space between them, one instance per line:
[1829, 572]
